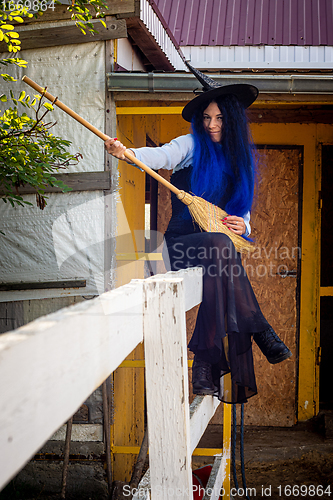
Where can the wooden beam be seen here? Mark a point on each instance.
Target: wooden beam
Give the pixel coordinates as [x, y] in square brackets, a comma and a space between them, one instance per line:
[11, 315]
[192, 283]
[150, 110]
[110, 168]
[40, 35]
[147, 44]
[263, 99]
[226, 462]
[120, 8]
[213, 490]
[297, 115]
[37, 285]
[326, 291]
[80, 181]
[167, 382]
[202, 410]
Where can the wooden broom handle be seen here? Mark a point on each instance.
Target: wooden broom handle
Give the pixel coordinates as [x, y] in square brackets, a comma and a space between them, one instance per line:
[130, 156]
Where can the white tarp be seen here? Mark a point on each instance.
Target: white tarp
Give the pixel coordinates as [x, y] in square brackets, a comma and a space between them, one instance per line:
[76, 74]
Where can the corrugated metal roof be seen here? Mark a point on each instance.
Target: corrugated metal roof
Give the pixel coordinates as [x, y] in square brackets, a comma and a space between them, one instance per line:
[249, 22]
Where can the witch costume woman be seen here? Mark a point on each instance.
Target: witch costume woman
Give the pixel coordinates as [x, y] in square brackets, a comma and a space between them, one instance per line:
[216, 162]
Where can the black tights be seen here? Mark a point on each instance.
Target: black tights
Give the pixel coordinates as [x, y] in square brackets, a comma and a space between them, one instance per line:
[229, 313]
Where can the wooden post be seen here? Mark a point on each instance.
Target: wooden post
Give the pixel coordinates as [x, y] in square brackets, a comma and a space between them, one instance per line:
[128, 415]
[226, 442]
[167, 389]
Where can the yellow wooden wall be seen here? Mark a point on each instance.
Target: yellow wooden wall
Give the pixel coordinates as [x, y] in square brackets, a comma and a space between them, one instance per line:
[128, 403]
[162, 124]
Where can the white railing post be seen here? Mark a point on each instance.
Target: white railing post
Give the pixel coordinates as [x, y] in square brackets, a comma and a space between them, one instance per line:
[100, 334]
[167, 389]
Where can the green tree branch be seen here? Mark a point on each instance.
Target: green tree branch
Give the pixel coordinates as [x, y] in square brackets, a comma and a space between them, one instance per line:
[29, 152]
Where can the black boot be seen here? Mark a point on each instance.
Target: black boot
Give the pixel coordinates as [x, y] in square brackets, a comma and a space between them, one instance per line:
[202, 380]
[272, 346]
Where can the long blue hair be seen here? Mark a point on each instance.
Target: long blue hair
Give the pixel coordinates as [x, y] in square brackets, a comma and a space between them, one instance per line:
[224, 173]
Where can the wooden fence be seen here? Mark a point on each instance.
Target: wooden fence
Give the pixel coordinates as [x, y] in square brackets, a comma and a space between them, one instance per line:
[43, 383]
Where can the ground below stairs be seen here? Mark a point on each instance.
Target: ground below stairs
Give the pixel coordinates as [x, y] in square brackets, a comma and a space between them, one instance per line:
[280, 463]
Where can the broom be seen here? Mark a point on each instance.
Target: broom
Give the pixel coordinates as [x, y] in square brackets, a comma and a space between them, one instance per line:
[205, 214]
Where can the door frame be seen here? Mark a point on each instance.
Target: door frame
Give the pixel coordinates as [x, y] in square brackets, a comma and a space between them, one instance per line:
[310, 136]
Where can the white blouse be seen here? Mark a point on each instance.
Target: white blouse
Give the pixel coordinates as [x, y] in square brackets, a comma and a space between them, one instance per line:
[175, 155]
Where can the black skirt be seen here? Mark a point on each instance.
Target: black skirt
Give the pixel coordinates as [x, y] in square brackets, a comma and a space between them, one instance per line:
[228, 315]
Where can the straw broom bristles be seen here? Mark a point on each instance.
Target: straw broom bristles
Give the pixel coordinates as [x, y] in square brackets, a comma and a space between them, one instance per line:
[205, 214]
[209, 218]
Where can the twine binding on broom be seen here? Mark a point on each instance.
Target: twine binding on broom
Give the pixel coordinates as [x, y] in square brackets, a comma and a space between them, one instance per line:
[209, 218]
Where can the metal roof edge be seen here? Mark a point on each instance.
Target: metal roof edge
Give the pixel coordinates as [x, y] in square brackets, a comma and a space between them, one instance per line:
[172, 82]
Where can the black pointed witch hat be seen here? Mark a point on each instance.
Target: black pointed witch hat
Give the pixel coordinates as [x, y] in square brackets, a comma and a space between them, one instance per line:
[246, 94]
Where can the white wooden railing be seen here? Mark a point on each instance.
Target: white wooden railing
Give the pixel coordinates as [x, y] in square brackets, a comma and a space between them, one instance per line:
[43, 383]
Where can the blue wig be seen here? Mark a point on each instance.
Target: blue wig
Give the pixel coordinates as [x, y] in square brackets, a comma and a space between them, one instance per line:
[224, 173]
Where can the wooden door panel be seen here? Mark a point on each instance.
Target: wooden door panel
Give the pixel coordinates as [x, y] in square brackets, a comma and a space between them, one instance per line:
[273, 271]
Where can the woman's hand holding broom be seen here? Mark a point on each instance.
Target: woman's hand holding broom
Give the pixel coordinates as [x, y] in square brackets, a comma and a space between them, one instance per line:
[235, 224]
[116, 148]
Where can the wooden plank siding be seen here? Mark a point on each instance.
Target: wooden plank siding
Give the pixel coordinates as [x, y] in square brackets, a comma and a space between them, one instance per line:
[119, 8]
[34, 36]
[80, 181]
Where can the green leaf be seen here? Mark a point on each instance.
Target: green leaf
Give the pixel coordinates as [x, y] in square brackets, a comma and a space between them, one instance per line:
[48, 106]
[7, 78]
